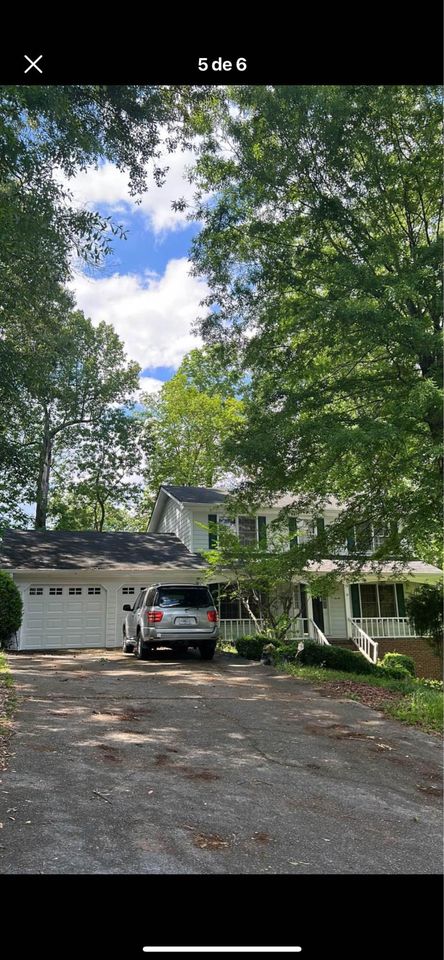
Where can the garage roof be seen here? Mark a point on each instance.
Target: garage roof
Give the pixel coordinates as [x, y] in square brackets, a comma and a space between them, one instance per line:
[54, 549]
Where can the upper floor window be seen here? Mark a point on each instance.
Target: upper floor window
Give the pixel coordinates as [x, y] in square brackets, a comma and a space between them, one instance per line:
[249, 530]
[365, 538]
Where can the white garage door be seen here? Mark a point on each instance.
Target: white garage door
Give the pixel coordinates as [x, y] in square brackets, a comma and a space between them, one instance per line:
[63, 616]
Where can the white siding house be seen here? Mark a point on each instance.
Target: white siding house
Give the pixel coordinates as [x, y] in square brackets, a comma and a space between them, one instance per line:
[74, 584]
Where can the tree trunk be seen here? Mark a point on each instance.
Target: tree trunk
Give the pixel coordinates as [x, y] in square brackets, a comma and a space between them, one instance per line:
[43, 479]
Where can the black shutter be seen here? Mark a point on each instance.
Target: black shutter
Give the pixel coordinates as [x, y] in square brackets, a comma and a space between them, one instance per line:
[292, 528]
[400, 598]
[212, 535]
[320, 525]
[262, 531]
[356, 600]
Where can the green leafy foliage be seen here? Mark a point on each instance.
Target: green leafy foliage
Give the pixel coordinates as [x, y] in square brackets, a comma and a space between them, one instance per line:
[11, 608]
[336, 658]
[186, 424]
[425, 609]
[48, 134]
[262, 579]
[423, 707]
[251, 647]
[321, 244]
[397, 660]
[104, 456]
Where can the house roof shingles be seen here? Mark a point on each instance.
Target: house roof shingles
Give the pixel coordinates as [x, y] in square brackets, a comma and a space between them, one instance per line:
[196, 494]
[70, 550]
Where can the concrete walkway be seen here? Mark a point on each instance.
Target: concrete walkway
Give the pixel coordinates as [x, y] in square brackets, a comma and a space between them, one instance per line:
[166, 766]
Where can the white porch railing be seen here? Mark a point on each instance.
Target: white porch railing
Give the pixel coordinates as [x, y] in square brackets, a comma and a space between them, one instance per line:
[386, 626]
[230, 630]
[365, 644]
[315, 633]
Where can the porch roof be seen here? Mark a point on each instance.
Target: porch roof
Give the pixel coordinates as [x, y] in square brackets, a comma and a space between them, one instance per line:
[388, 568]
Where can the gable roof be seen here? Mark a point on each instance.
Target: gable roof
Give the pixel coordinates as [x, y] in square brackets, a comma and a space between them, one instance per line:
[70, 550]
[195, 494]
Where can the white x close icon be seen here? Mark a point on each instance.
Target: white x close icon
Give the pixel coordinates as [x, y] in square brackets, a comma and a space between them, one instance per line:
[33, 63]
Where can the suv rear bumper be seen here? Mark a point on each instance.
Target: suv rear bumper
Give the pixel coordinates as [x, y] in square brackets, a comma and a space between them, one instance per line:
[182, 636]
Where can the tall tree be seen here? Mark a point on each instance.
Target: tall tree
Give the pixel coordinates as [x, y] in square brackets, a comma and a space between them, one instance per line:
[47, 134]
[80, 371]
[186, 424]
[322, 246]
[99, 477]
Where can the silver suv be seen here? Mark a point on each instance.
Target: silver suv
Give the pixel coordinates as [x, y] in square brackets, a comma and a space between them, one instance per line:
[171, 615]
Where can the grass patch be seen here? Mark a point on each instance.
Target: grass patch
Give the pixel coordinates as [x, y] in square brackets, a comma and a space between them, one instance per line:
[5, 673]
[422, 707]
[8, 702]
[408, 700]
[323, 674]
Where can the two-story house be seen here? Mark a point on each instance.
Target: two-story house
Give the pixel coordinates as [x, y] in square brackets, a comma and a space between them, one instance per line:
[74, 584]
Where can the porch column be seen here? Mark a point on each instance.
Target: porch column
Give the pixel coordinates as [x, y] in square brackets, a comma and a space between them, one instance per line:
[309, 603]
[348, 609]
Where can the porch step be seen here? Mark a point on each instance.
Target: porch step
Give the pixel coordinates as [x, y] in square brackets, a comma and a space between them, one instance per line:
[342, 642]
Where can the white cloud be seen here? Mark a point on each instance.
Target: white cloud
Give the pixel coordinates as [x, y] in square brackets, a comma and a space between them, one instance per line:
[152, 315]
[108, 185]
[149, 384]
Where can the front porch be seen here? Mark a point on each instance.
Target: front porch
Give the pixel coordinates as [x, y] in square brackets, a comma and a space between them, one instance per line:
[386, 628]
[358, 614]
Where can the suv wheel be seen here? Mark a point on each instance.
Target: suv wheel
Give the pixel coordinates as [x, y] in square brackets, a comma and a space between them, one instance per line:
[141, 652]
[207, 650]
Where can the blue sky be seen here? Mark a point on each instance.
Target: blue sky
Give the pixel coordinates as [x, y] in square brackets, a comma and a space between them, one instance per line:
[144, 288]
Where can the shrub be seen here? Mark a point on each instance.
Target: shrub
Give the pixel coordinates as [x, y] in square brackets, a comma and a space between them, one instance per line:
[399, 660]
[425, 610]
[11, 608]
[287, 651]
[335, 658]
[251, 647]
[395, 673]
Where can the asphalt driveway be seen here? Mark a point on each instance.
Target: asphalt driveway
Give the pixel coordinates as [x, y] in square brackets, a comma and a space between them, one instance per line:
[181, 766]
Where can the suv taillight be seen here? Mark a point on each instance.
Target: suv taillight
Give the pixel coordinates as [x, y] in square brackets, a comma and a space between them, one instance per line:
[154, 616]
[212, 616]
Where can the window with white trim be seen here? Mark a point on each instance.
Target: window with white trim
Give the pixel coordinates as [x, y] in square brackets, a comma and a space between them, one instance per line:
[129, 591]
[93, 591]
[55, 591]
[377, 600]
[247, 530]
[75, 591]
[36, 591]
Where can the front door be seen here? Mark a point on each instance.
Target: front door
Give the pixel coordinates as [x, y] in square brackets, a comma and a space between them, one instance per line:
[318, 613]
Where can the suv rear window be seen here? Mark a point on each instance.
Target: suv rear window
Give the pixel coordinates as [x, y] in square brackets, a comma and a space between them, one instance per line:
[183, 597]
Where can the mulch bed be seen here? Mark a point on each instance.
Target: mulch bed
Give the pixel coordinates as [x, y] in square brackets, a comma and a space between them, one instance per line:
[375, 697]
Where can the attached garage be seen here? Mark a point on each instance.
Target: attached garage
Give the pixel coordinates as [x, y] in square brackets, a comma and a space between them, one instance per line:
[74, 585]
[68, 615]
